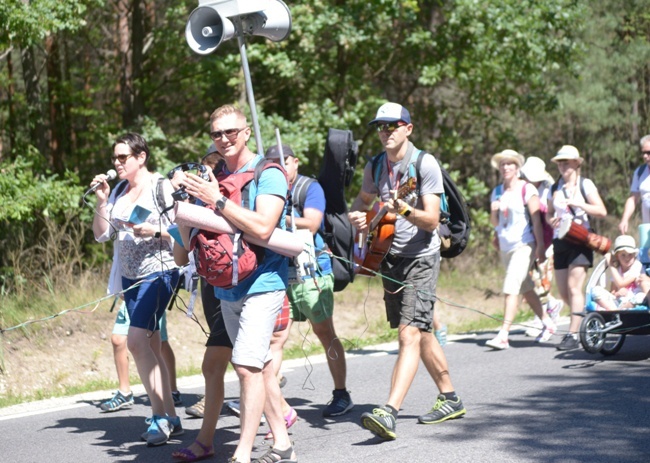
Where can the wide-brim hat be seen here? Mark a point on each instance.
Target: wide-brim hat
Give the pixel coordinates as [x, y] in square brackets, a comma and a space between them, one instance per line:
[567, 153]
[507, 154]
[625, 243]
[391, 112]
[534, 169]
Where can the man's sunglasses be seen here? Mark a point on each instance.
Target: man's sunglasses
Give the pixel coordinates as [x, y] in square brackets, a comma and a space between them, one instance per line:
[120, 157]
[389, 127]
[229, 133]
[643, 153]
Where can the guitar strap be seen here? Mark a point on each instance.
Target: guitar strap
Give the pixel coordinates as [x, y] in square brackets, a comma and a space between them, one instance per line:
[407, 161]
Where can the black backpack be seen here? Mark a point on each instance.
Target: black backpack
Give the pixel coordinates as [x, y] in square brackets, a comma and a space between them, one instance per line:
[455, 223]
[337, 170]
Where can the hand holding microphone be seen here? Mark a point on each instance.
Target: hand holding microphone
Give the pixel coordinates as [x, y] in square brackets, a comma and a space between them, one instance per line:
[101, 180]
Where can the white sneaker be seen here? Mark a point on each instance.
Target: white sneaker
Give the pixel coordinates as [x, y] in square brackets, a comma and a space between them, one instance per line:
[547, 332]
[498, 343]
[554, 307]
[535, 327]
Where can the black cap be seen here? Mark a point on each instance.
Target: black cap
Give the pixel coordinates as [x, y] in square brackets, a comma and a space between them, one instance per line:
[274, 153]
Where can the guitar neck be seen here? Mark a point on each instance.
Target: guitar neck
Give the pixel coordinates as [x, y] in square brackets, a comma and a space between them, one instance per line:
[377, 218]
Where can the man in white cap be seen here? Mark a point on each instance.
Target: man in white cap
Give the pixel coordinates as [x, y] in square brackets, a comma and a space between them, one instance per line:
[411, 267]
[639, 190]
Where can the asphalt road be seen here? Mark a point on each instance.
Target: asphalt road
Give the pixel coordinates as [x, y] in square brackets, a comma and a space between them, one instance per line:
[530, 403]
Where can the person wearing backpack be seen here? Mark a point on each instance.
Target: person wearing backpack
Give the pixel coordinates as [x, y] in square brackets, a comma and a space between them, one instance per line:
[572, 198]
[534, 171]
[250, 307]
[313, 300]
[410, 268]
[148, 272]
[639, 190]
[515, 215]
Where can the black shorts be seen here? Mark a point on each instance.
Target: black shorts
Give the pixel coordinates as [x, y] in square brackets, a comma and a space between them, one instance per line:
[212, 310]
[567, 254]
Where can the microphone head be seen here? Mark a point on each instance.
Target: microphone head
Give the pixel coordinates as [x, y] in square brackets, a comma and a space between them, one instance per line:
[111, 174]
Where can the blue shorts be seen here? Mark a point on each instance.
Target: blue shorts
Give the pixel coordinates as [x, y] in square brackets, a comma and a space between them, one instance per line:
[122, 323]
[146, 302]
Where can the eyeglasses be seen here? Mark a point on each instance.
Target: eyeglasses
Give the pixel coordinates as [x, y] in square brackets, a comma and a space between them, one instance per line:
[120, 157]
[643, 153]
[389, 127]
[229, 133]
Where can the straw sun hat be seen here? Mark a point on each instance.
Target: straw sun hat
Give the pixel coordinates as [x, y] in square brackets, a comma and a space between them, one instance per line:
[507, 154]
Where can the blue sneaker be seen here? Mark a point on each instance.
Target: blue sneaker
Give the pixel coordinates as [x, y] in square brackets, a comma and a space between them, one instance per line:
[118, 402]
[340, 404]
[159, 431]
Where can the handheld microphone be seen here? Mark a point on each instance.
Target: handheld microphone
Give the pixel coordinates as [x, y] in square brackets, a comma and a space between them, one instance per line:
[110, 175]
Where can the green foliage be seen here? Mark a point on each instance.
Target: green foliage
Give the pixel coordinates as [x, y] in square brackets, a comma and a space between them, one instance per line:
[28, 22]
[27, 194]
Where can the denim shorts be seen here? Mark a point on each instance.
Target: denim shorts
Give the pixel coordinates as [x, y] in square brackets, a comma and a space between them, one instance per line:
[410, 290]
[122, 323]
[146, 302]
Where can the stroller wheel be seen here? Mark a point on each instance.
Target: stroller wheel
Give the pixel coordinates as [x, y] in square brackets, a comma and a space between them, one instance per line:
[594, 339]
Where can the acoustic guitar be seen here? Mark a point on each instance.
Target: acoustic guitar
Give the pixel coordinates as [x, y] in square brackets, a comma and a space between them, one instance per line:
[372, 246]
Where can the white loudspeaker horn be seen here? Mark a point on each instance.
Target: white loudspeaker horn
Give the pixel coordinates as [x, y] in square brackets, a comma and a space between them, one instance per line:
[273, 22]
[206, 29]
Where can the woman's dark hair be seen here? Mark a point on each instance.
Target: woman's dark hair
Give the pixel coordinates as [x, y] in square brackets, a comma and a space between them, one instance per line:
[135, 142]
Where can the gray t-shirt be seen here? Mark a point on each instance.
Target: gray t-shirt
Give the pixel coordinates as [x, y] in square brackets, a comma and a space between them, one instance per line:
[409, 241]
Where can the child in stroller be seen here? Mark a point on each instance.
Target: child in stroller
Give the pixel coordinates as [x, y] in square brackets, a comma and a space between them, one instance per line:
[623, 269]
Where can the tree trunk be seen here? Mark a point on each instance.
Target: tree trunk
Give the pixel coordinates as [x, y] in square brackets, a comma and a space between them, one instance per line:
[11, 123]
[38, 131]
[137, 44]
[126, 69]
[58, 145]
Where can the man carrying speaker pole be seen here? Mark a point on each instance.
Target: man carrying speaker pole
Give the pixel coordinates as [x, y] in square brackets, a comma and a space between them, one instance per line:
[313, 299]
[250, 308]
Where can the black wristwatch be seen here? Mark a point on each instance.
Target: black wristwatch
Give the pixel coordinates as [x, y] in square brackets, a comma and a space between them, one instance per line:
[221, 203]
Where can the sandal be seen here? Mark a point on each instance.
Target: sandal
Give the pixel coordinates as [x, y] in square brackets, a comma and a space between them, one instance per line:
[277, 456]
[290, 419]
[187, 455]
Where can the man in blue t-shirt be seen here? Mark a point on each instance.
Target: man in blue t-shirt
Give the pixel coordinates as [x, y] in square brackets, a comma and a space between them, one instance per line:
[251, 307]
[314, 300]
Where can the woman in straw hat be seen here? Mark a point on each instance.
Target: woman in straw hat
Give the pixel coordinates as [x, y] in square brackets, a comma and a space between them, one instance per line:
[572, 198]
[516, 217]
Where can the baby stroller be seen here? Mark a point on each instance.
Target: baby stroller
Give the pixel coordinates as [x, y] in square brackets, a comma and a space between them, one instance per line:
[604, 331]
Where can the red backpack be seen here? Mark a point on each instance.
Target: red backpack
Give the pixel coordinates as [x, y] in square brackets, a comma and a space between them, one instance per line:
[225, 259]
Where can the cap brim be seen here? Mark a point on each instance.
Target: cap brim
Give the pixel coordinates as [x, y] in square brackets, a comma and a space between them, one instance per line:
[385, 119]
[626, 248]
